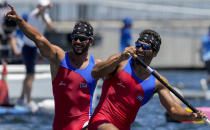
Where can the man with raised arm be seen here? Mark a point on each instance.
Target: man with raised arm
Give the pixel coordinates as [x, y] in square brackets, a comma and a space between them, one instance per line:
[128, 86]
[73, 85]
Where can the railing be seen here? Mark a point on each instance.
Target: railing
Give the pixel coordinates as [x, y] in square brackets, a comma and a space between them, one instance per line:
[65, 10]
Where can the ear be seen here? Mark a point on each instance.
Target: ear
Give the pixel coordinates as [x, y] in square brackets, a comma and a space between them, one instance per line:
[91, 41]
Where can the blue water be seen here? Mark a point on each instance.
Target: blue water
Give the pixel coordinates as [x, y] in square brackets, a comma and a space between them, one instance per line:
[26, 122]
[150, 117]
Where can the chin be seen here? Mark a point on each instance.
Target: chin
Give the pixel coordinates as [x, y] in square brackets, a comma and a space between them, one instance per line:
[78, 53]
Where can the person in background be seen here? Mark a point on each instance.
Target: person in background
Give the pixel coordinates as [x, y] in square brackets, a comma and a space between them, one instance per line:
[125, 37]
[19, 34]
[40, 19]
[206, 58]
[128, 86]
[73, 85]
[8, 50]
[7, 34]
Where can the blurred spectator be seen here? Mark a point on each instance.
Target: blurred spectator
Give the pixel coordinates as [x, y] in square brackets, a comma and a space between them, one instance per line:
[19, 34]
[38, 18]
[126, 38]
[206, 55]
[7, 32]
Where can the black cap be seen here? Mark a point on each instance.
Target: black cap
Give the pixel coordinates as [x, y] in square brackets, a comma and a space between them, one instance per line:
[151, 37]
[83, 27]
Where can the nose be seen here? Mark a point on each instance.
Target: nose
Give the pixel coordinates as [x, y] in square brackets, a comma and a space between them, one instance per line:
[77, 40]
[140, 49]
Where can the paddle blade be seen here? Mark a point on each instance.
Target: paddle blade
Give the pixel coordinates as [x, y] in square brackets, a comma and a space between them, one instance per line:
[207, 121]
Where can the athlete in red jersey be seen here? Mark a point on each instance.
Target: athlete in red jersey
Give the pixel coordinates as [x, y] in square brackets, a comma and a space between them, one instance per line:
[73, 85]
[128, 86]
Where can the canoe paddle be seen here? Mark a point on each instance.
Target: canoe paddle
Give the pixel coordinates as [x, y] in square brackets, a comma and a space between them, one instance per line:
[170, 88]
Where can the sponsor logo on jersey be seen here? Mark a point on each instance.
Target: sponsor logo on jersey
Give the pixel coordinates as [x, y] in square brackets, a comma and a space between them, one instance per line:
[140, 98]
[121, 84]
[83, 85]
[62, 83]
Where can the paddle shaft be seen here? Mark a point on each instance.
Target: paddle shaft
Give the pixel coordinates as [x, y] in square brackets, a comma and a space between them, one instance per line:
[167, 85]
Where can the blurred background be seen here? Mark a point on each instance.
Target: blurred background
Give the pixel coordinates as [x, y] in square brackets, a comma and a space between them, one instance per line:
[181, 24]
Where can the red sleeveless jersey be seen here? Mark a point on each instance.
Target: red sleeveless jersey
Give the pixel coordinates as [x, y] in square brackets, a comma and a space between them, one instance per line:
[122, 96]
[73, 91]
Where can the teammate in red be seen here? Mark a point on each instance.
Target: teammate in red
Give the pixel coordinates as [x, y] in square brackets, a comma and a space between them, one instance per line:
[73, 85]
[128, 86]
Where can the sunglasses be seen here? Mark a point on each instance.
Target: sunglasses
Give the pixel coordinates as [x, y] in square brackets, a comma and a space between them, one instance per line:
[81, 38]
[143, 46]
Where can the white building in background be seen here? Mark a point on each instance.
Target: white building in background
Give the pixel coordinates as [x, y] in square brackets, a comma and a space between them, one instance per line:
[65, 10]
[181, 24]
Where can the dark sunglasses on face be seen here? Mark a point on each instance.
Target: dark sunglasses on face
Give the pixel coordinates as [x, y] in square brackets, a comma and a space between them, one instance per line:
[81, 38]
[143, 46]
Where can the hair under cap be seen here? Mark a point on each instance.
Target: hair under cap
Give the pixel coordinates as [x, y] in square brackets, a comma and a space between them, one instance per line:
[151, 37]
[83, 27]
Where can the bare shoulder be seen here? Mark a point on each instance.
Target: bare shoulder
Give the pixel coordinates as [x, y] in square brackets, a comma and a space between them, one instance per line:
[55, 62]
[60, 53]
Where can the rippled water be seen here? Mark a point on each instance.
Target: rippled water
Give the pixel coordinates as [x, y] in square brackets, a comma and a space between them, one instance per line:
[26, 122]
[150, 117]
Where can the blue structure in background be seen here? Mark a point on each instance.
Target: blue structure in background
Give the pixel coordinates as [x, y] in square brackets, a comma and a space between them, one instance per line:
[126, 38]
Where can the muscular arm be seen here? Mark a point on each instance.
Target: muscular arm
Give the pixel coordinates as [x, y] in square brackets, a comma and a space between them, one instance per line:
[47, 50]
[98, 61]
[105, 68]
[172, 106]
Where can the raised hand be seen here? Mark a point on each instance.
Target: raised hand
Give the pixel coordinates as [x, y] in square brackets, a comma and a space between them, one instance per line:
[11, 14]
[50, 5]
